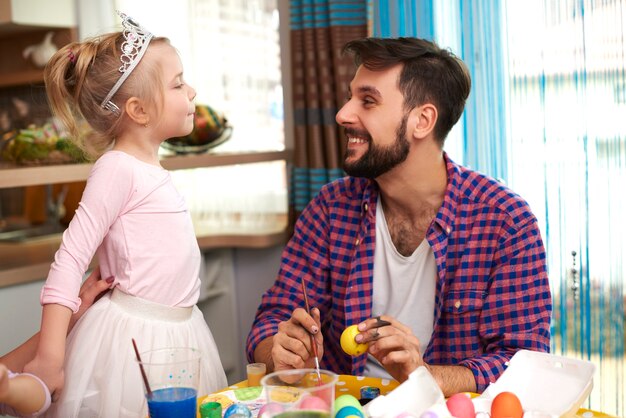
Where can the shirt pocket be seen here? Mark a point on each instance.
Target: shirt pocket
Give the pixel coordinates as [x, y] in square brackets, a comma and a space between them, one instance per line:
[464, 303]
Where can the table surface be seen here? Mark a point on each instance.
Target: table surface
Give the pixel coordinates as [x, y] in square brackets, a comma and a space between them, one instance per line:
[346, 385]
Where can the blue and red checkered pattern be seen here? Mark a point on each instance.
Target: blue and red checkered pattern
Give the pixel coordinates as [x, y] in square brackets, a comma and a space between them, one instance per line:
[492, 296]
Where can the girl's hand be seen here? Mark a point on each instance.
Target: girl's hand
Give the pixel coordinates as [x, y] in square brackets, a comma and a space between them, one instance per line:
[47, 363]
[50, 371]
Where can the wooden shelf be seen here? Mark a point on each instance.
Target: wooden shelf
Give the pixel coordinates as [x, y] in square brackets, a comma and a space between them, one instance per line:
[19, 176]
[24, 262]
[31, 76]
[30, 261]
[15, 70]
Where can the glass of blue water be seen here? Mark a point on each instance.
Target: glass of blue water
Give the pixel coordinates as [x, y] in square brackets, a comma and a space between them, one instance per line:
[173, 375]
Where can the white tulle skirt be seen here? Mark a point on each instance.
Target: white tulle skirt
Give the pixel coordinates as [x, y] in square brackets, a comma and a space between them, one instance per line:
[102, 377]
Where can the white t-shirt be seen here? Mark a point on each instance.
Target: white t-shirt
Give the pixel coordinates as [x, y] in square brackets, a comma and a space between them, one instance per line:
[404, 288]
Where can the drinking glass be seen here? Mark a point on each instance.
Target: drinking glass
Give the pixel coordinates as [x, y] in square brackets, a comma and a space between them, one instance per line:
[173, 376]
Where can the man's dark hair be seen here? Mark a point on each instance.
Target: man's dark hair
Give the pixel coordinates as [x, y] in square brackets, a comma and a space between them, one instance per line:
[429, 75]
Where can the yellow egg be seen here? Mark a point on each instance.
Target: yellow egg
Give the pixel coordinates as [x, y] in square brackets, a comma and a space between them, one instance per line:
[349, 345]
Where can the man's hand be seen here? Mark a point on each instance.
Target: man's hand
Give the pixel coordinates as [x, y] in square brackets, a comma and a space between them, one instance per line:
[392, 344]
[291, 348]
[92, 289]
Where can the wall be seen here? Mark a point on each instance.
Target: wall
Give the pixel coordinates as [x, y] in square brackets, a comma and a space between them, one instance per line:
[242, 275]
[20, 314]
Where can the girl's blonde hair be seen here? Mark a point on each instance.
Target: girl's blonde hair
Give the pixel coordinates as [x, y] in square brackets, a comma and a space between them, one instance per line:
[80, 75]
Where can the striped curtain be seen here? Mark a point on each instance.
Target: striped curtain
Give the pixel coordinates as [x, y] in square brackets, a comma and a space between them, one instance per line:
[320, 76]
[567, 109]
[546, 115]
[396, 18]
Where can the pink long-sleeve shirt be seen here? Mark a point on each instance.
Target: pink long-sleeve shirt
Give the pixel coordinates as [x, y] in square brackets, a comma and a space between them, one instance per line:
[133, 218]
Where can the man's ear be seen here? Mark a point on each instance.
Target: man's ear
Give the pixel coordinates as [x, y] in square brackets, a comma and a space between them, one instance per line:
[425, 120]
[136, 111]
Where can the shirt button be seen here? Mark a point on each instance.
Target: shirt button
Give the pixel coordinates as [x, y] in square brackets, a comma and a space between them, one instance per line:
[457, 304]
[357, 242]
[448, 230]
[365, 207]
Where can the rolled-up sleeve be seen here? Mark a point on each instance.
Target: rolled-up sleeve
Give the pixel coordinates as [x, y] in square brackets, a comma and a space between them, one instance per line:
[517, 307]
[105, 195]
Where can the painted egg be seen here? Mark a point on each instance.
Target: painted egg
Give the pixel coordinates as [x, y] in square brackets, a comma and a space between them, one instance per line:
[270, 409]
[238, 410]
[506, 405]
[349, 345]
[347, 400]
[460, 406]
[313, 403]
[350, 412]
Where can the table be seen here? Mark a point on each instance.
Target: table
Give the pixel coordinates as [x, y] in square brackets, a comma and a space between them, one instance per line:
[346, 385]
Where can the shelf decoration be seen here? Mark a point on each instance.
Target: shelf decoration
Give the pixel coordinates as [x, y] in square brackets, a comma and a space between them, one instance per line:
[40, 145]
[210, 130]
[41, 53]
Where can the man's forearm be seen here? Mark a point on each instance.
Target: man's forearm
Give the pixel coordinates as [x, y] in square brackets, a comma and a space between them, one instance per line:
[16, 359]
[263, 353]
[453, 379]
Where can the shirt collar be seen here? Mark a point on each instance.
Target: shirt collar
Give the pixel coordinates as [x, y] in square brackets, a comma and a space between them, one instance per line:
[446, 214]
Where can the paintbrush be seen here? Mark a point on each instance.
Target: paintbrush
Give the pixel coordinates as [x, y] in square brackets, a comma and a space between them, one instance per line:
[143, 372]
[313, 343]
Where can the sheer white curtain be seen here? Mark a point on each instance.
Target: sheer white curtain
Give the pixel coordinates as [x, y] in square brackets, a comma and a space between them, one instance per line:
[568, 75]
[546, 113]
[231, 55]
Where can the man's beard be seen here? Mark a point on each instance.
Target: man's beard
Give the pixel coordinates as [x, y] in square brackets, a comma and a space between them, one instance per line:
[378, 160]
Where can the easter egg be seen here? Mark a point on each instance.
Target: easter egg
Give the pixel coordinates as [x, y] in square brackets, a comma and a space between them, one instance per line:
[238, 410]
[347, 400]
[505, 405]
[350, 412]
[270, 409]
[349, 345]
[313, 403]
[460, 406]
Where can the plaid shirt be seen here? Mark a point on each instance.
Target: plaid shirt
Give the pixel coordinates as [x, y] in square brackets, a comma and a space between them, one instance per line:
[492, 295]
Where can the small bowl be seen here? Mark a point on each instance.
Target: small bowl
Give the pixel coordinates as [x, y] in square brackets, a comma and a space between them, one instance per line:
[210, 130]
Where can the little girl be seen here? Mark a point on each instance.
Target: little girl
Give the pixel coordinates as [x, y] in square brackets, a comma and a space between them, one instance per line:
[129, 87]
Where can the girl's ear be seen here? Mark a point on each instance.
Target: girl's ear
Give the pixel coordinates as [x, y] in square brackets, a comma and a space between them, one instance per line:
[136, 111]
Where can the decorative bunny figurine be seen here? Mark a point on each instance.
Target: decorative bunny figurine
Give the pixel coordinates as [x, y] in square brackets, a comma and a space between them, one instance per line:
[41, 53]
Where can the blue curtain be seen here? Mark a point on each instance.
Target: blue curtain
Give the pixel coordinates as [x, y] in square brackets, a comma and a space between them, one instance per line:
[396, 18]
[546, 115]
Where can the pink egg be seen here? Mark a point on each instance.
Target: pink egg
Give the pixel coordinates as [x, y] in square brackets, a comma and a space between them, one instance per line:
[313, 403]
[460, 406]
[270, 409]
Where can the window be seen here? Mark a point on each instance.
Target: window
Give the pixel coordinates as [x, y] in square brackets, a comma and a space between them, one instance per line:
[231, 53]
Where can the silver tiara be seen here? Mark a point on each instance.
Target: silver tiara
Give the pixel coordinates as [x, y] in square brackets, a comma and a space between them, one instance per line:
[136, 41]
